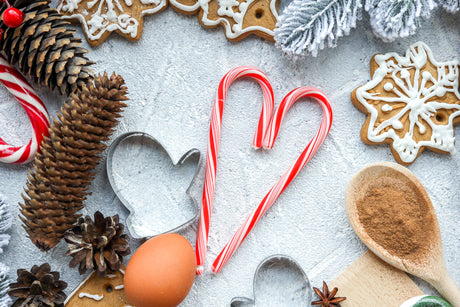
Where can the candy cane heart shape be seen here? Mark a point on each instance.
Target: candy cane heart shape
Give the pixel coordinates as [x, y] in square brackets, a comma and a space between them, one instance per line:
[17, 85]
[213, 146]
[290, 174]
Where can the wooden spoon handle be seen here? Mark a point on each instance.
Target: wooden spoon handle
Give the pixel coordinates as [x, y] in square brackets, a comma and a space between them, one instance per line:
[448, 289]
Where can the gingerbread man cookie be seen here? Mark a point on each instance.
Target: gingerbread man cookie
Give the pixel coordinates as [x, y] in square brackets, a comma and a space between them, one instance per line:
[99, 18]
[240, 18]
[96, 291]
[412, 103]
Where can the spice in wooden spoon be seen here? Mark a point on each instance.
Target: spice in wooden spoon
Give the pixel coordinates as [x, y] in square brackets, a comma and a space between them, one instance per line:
[392, 214]
[394, 217]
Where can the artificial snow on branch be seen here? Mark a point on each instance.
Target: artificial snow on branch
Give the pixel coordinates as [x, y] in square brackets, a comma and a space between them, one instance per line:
[5, 300]
[391, 19]
[6, 219]
[305, 25]
[370, 4]
[451, 6]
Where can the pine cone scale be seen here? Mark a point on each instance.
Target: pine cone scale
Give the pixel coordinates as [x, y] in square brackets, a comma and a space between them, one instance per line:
[21, 292]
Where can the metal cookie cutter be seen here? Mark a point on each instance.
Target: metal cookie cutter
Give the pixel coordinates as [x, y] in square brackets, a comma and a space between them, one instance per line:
[278, 281]
[144, 221]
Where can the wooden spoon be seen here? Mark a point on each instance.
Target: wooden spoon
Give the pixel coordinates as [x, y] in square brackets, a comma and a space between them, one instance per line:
[428, 262]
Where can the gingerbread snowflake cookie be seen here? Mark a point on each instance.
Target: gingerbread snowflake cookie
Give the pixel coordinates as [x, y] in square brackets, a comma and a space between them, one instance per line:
[240, 18]
[99, 18]
[412, 103]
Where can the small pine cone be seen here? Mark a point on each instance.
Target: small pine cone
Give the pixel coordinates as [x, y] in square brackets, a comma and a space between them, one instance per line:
[100, 244]
[62, 172]
[44, 48]
[38, 288]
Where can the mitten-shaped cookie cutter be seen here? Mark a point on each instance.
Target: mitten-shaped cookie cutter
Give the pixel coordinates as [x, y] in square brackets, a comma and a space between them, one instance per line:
[136, 229]
[279, 281]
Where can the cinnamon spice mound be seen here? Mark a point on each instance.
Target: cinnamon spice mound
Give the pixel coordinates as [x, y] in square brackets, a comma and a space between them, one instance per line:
[396, 216]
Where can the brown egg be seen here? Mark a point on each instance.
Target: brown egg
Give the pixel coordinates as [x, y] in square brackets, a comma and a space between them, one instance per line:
[160, 272]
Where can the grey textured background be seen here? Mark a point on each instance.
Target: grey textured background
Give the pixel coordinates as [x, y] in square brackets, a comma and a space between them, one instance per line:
[172, 74]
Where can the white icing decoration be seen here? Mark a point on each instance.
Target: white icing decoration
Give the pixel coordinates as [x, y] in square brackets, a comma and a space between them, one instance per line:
[121, 271]
[91, 296]
[110, 276]
[388, 86]
[119, 287]
[77, 288]
[226, 10]
[71, 6]
[387, 108]
[108, 17]
[413, 97]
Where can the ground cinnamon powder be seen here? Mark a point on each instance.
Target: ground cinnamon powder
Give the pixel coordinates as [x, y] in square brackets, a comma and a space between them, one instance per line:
[396, 217]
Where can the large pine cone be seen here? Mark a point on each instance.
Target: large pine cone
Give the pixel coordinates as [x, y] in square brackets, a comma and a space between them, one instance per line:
[38, 288]
[64, 169]
[44, 49]
[100, 244]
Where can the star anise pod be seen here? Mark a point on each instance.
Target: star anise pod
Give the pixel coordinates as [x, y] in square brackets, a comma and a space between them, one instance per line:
[327, 299]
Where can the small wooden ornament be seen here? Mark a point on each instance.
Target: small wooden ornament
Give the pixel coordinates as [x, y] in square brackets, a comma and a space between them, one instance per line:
[96, 291]
[370, 281]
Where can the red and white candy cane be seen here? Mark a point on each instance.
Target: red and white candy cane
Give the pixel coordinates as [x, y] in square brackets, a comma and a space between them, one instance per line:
[17, 85]
[288, 176]
[213, 146]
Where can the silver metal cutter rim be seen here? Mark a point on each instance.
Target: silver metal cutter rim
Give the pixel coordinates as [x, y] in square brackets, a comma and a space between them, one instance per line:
[127, 204]
[279, 257]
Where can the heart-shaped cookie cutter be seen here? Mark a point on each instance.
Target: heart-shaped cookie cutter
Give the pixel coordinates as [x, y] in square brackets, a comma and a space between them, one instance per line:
[282, 275]
[109, 168]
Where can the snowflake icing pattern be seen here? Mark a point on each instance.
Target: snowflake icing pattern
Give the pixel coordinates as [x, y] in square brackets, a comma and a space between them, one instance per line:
[101, 17]
[412, 100]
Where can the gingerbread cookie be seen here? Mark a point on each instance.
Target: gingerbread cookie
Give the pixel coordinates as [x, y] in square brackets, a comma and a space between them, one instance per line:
[99, 18]
[107, 291]
[240, 18]
[412, 103]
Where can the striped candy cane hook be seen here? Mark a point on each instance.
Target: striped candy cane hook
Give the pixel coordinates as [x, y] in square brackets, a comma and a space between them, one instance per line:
[213, 146]
[291, 173]
[17, 85]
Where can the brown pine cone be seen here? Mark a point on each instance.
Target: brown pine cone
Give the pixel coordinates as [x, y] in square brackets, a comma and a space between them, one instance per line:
[38, 288]
[44, 48]
[62, 172]
[98, 245]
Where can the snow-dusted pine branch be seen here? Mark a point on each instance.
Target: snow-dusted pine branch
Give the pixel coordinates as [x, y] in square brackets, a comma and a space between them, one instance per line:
[370, 4]
[5, 300]
[5, 222]
[391, 19]
[306, 25]
[452, 6]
